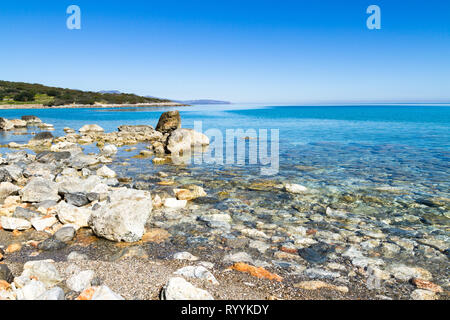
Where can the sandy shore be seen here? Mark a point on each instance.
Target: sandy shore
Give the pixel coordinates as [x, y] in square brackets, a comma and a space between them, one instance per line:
[75, 106]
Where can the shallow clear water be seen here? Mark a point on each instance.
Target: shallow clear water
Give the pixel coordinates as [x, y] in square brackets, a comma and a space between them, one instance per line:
[387, 167]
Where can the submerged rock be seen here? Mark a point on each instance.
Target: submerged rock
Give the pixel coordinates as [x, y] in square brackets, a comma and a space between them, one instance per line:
[184, 139]
[91, 128]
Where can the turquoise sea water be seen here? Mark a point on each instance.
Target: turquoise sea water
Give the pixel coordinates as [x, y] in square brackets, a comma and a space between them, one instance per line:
[386, 166]
[383, 145]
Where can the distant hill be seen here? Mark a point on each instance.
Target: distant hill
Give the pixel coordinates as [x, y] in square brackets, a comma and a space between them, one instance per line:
[110, 91]
[27, 93]
[203, 101]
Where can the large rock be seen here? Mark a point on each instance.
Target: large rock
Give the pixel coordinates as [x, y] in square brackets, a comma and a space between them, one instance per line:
[55, 293]
[69, 214]
[31, 291]
[42, 270]
[42, 138]
[10, 223]
[7, 189]
[108, 150]
[91, 128]
[10, 173]
[123, 218]
[169, 121]
[67, 184]
[179, 289]
[31, 120]
[39, 189]
[6, 125]
[185, 139]
[80, 281]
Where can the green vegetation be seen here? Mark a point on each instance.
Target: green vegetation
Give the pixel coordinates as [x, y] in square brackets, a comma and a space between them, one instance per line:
[26, 93]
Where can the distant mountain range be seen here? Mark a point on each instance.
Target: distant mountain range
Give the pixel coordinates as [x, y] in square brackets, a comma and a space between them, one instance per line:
[202, 101]
[199, 101]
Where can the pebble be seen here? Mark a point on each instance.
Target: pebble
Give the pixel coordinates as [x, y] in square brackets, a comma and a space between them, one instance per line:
[315, 285]
[65, 234]
[80, 281]
[198, 272]
[179, 289]
[76, 256]
[51, 244]
[10, 223]
[420, 294]
[185, 256]
[175, 203]
[55, 293]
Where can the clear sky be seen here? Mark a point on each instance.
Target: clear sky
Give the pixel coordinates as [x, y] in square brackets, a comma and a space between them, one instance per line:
[237, 50]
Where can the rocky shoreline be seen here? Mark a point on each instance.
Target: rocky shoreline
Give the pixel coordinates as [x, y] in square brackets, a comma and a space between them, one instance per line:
[97, 105]
[73, 228]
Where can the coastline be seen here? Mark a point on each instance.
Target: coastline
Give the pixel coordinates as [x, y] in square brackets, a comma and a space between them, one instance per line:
[95, 106]
[210, 229]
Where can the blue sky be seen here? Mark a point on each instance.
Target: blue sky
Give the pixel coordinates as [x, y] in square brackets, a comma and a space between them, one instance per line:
[242, 51]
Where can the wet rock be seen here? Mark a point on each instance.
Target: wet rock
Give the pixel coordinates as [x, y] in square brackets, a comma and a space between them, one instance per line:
[7, 189]
[295, 188]
[405, 273]
[174, 203]
[316, 285]
[198, 272]
[169, 121]
[238, 257]
[315, 273]
[65, 234]
[76, 199]
[108, 150]
[31, 120]
[5, 124]
[51, 244]
[179, 289]
[185, 256]
[191, 193]
[420, 294]
[91, 128]
[10, 223]
[42, 138]
[261, 246]
[5, 273]
[316, 253]
[69, 214]
[65, 146]
[39, 189]
[80, 281]
[124, 217]
[184, 139]
[55, 293]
